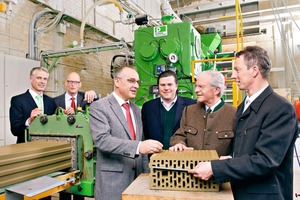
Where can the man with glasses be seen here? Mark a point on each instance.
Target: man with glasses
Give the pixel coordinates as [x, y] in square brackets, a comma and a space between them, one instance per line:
[161, 116]
[117, 131]
[73, 98]
[69, 102]
[207, 125]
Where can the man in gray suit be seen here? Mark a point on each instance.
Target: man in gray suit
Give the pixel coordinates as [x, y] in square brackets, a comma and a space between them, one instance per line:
[121, 154]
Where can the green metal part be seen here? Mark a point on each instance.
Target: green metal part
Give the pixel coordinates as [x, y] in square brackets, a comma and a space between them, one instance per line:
[76, 130]
[159, 48]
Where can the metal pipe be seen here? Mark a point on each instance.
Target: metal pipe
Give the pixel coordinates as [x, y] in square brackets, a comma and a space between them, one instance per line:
[98, 3]
[32, 54]
[80, 50]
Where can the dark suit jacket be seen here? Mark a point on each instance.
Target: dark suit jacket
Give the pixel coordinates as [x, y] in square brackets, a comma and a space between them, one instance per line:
[152, 117]
[262, 167]
[60, 101]
[20, 110]
[117, 162]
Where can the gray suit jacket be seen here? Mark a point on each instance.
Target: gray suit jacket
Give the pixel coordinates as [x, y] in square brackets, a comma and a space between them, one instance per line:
[117, 162]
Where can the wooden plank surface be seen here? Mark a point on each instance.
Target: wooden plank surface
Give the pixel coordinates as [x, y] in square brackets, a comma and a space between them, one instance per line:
[139, 189]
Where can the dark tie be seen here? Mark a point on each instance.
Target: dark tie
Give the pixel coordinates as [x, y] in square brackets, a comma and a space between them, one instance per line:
[208, 110]
[129, 120]
[73, 103]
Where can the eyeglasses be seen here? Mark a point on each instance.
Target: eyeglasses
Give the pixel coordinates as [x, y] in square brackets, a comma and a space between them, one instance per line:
[132, 81]
[73, 82]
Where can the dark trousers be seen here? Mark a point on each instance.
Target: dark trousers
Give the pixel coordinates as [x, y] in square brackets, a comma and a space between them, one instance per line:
[68, 196]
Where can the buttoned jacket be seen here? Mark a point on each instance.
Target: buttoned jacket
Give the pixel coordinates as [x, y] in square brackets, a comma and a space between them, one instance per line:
[202, 131]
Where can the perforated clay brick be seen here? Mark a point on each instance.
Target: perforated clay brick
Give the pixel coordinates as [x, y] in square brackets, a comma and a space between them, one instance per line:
[166, 170]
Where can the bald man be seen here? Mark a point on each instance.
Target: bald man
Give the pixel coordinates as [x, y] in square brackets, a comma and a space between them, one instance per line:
[81, 99]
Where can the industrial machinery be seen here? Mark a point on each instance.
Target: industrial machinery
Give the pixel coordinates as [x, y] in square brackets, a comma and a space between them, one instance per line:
[75, 160]
[174, 46]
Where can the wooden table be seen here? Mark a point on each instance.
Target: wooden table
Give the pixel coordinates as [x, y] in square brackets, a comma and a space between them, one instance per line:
[139, 190]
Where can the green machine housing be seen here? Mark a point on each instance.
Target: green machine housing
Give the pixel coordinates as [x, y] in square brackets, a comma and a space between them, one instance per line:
[171, 47]
[74, 129]
[167, 47]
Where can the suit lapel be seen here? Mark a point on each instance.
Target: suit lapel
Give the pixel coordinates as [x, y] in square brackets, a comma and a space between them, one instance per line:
[79, 99]
[157, 109]
[30, 100]
[138, 129]
[180, 106]
[117, 110]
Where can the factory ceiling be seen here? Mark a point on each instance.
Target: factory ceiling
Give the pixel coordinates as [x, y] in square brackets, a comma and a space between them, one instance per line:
[221, 14]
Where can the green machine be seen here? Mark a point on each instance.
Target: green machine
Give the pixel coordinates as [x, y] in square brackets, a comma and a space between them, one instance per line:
[74, 129]
[171, 47]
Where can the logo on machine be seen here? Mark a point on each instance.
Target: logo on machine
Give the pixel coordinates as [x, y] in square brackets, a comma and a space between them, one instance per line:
[160, 31]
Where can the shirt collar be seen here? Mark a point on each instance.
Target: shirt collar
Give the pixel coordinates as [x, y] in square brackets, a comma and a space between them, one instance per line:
[34, 94]
[214, 106]
[119, 99]
[168, 106]
[255, 95]
[68, 97]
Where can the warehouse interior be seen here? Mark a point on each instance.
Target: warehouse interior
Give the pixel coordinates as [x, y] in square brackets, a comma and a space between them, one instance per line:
[92, 37]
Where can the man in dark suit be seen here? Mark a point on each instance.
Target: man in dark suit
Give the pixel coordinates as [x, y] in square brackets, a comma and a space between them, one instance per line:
[25, 107]
[161, 116]
[116, 127]
[81, 99]
[266, 128]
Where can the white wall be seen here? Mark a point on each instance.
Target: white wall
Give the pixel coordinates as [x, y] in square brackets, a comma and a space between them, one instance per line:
[14, 79]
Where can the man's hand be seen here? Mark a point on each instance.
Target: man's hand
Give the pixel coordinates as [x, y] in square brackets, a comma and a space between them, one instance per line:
[180, 147]
[202, 171]
[89, 96]
[69, 111]
[150, 146]
[35, 112]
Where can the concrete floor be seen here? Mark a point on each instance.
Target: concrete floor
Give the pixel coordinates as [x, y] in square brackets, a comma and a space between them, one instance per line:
[296, 176]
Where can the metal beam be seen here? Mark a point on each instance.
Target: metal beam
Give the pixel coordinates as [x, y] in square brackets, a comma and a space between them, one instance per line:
[201, 8]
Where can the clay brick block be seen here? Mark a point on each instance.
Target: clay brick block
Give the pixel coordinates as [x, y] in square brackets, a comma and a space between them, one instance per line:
[165, 176]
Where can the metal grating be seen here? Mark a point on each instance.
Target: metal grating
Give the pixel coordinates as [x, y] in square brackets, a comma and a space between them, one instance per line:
[168, 170]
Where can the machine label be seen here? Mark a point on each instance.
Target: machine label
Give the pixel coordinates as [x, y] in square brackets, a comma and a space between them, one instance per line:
[160, 31]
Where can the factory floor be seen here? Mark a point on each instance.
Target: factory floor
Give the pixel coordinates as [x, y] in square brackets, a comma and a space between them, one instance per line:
[56, 197]
[296, 176]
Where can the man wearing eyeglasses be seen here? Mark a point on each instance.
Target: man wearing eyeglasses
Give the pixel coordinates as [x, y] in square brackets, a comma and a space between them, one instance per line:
[73, 98]
[70, 101]
[207, 125]
[117, 131]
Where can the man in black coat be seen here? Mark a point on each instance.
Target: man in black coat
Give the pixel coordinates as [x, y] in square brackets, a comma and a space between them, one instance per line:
[25, 107]
[266, 128]
[161, 116]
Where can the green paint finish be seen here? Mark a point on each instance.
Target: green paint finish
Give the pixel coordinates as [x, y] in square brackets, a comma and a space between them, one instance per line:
[58, 127]
[172, 46]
